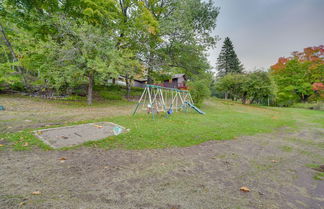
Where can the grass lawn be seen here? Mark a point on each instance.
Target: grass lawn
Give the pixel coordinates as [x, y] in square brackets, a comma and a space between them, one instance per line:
[223, 120]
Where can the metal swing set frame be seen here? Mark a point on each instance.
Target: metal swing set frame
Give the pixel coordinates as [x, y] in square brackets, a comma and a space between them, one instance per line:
[156, 99]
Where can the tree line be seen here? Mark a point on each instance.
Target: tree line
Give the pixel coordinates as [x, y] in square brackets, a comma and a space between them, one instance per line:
[59, 45]
[298, 78]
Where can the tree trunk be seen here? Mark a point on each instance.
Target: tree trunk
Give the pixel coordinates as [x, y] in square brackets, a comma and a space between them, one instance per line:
[90, 88]
[226, 95]
[149, 76]
[252, 100]
[14, 57]
[128, 86]
[244, 98]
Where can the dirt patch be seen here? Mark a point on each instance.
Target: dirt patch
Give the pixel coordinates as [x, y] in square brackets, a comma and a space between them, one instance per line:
[208, 175]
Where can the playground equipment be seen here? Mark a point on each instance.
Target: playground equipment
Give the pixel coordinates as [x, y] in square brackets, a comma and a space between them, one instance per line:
[156, 99]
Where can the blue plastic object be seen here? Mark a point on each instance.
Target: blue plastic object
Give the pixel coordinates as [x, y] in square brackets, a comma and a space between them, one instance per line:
[117, 130]
[2, 107]
[195, 108]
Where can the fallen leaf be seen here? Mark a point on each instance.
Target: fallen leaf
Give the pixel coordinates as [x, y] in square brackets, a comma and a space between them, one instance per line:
[1, 145]
[25, 144]
[274, 161]
[39, 132]
[98, 126]
[244, 189]
[36, 193]
[62, 159]
[64, 137]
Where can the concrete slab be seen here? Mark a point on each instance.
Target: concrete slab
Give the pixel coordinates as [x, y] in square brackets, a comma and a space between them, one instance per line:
[73, 135]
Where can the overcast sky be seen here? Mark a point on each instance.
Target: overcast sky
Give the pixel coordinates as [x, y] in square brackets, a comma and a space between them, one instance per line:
[264, 30]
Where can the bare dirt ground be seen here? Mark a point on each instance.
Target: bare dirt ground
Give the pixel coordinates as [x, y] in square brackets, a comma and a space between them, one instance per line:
[208, 175]
[24, 112]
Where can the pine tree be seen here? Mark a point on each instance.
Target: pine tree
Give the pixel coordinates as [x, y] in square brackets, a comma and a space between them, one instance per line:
[228, 61]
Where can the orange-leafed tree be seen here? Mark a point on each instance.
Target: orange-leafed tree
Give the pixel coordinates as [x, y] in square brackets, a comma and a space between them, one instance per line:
[296, 75]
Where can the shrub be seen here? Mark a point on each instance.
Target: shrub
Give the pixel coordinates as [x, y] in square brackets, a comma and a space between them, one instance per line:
[111, 95]
[74, 98]
[199, 91]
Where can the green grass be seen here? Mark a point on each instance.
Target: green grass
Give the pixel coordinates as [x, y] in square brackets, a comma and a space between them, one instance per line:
[317, 175]
[23, 140]
[224, 120]
[312, 165]
[286, 148]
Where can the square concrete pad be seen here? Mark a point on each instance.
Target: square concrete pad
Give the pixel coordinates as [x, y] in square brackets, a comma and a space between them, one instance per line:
[78, 134]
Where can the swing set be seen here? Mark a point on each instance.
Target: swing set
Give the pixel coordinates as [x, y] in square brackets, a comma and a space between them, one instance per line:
[156, 99]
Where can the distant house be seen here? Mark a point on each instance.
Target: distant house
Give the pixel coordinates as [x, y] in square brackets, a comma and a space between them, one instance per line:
[139, 83]
[121, 81]
[177, 81]
[118, 81]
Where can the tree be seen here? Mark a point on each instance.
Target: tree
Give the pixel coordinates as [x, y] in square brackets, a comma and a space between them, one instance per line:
[228, 62]
[84, 56]
[88, 53]
[231, 84]
[61, 45]
[295, 75]
[199, 91]
[182, 37]
[254, 86]
[127, 65]
[258, 86]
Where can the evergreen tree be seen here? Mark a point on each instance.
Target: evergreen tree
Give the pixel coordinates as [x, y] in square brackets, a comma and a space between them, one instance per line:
[228, 61]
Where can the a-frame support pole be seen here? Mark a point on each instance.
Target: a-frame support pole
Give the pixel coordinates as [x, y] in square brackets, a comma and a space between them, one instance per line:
[139, 102]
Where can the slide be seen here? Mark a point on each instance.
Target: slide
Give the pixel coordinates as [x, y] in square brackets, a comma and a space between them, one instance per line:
[195, 108]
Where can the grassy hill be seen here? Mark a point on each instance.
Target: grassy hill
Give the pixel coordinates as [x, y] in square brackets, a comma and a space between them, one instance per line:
[223, 120]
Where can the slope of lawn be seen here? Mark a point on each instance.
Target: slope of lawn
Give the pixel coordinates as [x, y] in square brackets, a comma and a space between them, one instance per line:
[223, 120]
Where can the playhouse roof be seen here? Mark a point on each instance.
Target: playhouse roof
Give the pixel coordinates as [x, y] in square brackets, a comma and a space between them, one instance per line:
[179, 75]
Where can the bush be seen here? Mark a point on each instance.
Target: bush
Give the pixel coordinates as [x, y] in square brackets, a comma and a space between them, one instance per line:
[74, 98]
[115, 92]
[111, 95]
[199, 91]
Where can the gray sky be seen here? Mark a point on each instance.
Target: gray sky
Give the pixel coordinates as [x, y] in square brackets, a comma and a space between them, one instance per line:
[264, 30]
